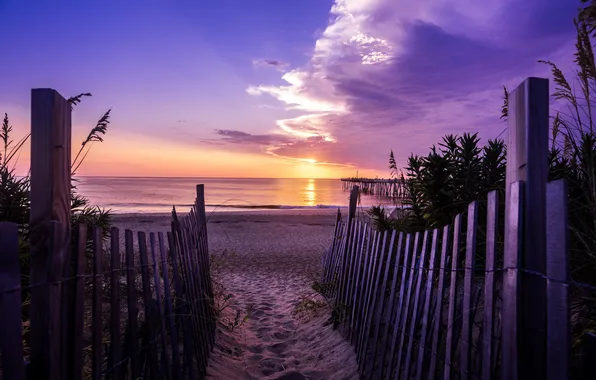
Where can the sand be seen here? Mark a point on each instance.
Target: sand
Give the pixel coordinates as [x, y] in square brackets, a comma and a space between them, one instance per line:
[264, 265]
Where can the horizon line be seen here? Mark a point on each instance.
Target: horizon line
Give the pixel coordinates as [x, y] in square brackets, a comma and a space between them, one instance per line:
[199, 177]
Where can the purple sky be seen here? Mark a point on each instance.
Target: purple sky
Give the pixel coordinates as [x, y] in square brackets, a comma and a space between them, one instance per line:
[340, 82]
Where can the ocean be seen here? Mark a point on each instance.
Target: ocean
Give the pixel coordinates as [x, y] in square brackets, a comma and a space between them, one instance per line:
[157, 195]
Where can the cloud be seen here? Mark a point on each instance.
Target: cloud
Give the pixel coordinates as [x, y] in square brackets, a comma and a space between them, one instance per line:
[279, 65]
[399, 74]
[239, 137]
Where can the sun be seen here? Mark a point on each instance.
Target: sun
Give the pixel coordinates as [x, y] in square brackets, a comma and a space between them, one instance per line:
[310, 160]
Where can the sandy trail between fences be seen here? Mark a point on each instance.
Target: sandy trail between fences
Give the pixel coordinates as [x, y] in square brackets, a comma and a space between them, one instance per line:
[268, 262]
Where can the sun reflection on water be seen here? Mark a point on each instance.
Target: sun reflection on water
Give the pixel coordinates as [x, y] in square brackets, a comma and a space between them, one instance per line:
[310, 193]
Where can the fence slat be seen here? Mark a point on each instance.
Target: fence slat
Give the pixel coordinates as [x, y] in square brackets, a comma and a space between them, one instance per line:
[197, 305]
[160, 310]
[426, 306]
[366, 298]
[79, 304]
[373, 298]
[391, 307]
[557, 270]
[470, 261]
[383, 304]
[115, 345]
[439, 304]
[349, 282]
[356, 276]
[97, 321]
[492, 221]
[365, 236]
[148, 301]
[400, 307]
[181, 308]
[11, 338]
[367, 256]
[404, 321]
[176, 370]
[413, 323]
[511, 294]
[455, 261]
[133, 335]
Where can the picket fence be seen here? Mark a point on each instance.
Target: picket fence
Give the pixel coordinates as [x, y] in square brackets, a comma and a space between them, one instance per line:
[142, 312]
[468, 301]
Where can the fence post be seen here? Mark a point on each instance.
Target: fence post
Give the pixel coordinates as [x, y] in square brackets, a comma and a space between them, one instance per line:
[50, 200]
[11, 337]
[527, 161]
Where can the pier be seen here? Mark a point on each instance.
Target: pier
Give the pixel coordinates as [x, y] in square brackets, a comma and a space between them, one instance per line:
[392, 188]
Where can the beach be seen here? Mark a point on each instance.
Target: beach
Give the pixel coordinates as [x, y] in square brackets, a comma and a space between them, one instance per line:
[264, 264]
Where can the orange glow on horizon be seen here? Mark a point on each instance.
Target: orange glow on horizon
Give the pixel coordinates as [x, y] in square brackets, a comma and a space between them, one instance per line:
[125, 154]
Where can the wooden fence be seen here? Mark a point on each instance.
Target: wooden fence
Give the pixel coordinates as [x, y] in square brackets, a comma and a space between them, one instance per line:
[486, 297]
[141, 312]
[122, 306]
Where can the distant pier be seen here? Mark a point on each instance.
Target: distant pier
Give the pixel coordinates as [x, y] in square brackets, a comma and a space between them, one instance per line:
[392, 188]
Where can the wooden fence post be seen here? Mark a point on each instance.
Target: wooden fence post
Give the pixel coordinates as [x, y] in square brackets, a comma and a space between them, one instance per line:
[527, 160]
[11, 338]
[50, 200]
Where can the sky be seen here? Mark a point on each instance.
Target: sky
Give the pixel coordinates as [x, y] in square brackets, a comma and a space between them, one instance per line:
[272, 88]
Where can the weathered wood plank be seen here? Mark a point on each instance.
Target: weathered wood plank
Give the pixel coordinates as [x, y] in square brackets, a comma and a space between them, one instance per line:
[383, 304]
[417, 295]
[558, 338]
[97, 321]
[391, 309]
[470, 261]
[399, 311]
[181, 308]
[364, 306]
[131, 293]
[54, 292]
[455, 265]
[404, 320]
[50, 200]
[79, 304]
[158, 296]
[361, 264]
[374, 299]
[424, 324]
[11, 338]
[356, 265]
[511, 291]
[169, 310]
[527, 160]
[115, 345]
[348, 281]
[148, 300]
[432, 368]
[488, 328]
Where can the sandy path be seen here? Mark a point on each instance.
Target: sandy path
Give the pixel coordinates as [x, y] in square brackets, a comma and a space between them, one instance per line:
[269, 261]
[274, 263]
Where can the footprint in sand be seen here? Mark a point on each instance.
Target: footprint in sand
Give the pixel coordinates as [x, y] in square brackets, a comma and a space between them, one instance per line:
[292, 376]
[277, 348]
[255, 349]
[281, 335]
[270, 366]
